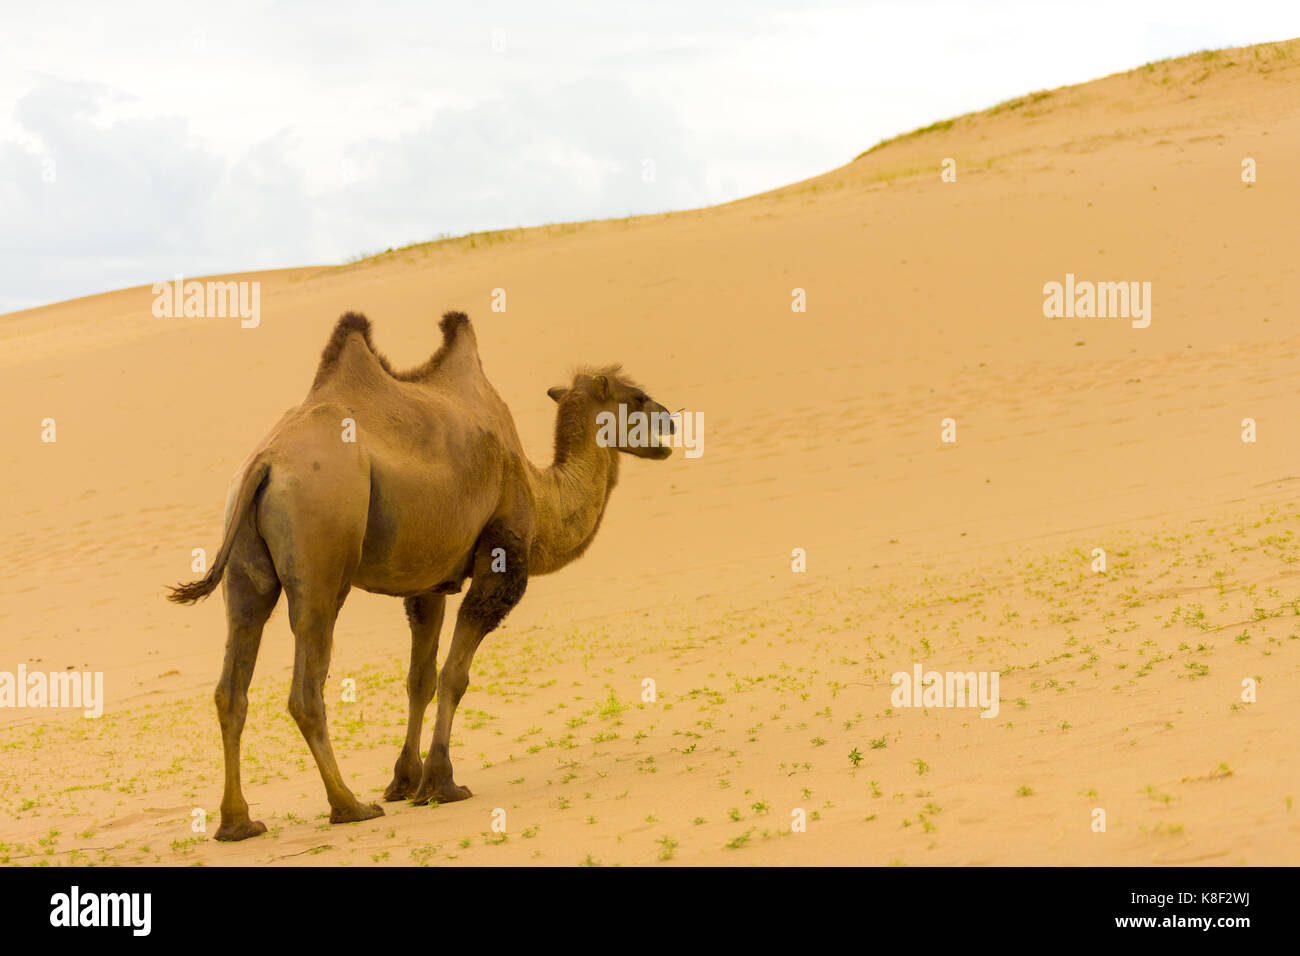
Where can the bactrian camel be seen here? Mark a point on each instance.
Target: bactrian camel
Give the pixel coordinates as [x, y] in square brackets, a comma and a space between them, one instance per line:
[433, 489]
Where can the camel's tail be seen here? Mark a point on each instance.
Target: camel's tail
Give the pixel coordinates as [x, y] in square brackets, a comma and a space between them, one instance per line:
[254, 478]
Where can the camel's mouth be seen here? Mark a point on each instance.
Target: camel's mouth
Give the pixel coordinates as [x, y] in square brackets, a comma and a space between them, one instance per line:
[661, 439]
[670, 426]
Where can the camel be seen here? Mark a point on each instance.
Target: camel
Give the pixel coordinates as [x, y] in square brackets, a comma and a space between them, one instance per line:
[433, 489]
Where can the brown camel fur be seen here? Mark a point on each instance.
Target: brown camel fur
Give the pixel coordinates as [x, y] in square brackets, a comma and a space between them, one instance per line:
[433, 489]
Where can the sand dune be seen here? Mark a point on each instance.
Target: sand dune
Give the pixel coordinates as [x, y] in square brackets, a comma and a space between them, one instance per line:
[1120, 691]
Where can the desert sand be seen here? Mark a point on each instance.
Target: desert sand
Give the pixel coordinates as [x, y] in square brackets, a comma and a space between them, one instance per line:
[1121, 690]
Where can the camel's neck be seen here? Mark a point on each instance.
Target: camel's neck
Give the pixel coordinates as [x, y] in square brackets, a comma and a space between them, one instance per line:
[571, 495]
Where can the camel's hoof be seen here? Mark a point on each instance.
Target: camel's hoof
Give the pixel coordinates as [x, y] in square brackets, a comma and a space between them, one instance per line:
[240, 830]
[442, 793]
[450, 793]
[399, 790]
[362, 811]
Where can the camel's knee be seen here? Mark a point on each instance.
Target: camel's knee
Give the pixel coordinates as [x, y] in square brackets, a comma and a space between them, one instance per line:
[307, 708]
[420, 687]
[232, 704]
[222, 699]
[454, 682]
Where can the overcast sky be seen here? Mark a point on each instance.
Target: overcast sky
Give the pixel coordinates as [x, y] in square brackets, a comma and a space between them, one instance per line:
[140, 140]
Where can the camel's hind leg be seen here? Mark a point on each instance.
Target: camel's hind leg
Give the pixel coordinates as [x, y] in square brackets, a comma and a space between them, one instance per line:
[251, 590]
[312, 620]
[425, 613]
[314, 528]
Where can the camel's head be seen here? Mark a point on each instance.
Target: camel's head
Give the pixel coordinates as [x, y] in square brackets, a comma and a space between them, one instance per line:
[625, 417]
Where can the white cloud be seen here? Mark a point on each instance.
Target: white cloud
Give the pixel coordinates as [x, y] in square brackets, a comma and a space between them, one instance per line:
[240, 135]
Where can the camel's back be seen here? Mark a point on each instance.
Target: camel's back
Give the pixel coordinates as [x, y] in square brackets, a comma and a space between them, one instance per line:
[444, 409]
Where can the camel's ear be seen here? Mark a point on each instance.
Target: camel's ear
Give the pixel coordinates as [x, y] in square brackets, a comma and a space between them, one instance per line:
[557, 393]
[600, 387]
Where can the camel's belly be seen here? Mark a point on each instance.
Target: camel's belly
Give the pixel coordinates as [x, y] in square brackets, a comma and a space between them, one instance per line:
[413, 550]
[403, 578]
[425, 516]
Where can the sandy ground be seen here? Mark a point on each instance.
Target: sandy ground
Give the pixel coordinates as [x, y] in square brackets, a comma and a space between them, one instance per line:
[1120, 691]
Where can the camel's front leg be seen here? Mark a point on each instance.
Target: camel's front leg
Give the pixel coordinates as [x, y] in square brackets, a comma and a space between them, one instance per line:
[435, 781]
[489, 599]
[425, 613]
